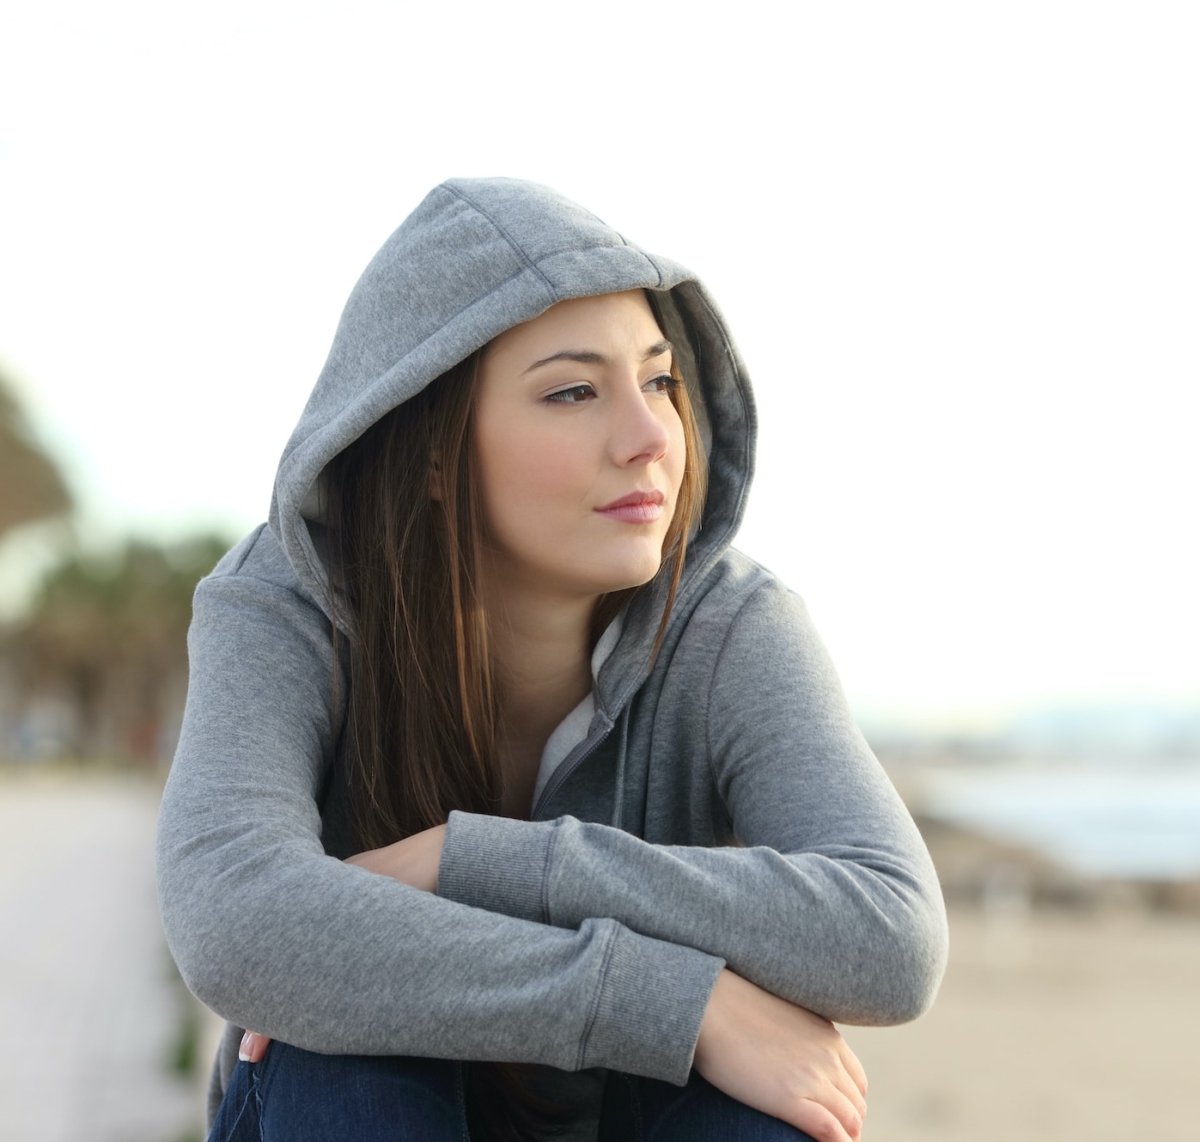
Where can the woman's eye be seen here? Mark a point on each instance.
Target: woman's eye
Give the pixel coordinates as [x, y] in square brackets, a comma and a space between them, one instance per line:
[576, 394]
[661, 384]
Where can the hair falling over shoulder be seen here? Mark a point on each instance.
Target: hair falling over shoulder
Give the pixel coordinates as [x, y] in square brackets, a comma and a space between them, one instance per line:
[421, 705]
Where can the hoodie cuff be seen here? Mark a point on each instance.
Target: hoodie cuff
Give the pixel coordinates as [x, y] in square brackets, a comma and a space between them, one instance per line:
[651, 1002]
[497, 863]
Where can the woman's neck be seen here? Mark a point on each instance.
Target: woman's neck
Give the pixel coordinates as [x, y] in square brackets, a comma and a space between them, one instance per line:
[540, 649]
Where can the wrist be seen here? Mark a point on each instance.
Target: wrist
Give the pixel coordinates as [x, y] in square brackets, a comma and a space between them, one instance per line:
[714, 1015]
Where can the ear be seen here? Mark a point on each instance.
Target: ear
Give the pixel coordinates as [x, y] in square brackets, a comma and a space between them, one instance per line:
[435, 476]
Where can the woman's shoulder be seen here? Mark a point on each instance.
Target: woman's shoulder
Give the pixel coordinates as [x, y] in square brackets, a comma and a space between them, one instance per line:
[256, 636]
[739, 589]
[744, 622]
[256, 578]
[258, 556]
[258, 560]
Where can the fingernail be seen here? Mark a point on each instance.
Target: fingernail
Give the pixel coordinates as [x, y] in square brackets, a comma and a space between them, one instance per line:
[244, 1049]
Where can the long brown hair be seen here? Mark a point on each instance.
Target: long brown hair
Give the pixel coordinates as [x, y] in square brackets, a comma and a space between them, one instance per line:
[423, 704]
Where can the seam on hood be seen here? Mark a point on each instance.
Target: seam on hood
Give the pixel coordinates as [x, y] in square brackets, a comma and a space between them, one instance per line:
[638, 250]
[513, 245]
[535, 263]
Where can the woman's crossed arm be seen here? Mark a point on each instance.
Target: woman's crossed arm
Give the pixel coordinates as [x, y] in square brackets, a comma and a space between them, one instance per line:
[758, 1048]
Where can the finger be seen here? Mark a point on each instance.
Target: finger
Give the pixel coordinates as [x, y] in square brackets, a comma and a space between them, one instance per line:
[846, 1109]
[819, 1122]
[253, 1047]
[854, 1069]
[847, 1085]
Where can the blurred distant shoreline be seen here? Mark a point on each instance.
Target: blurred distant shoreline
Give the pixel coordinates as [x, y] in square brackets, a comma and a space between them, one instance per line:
[1119, 730]
[1014, 832]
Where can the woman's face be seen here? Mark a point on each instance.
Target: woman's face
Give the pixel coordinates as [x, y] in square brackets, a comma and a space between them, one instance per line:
[579, 448]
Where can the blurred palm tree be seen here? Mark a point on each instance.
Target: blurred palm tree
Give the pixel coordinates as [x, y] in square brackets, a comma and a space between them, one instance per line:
[31, 487]
[104, 639]
[108, 637]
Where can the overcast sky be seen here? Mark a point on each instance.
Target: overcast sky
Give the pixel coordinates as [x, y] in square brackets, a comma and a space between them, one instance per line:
[958, 244]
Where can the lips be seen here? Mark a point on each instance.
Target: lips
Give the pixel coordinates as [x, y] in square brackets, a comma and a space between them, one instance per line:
[637, 507]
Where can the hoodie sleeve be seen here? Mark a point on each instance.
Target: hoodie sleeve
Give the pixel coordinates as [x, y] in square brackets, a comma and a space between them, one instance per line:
[273, 934]
[833, 902]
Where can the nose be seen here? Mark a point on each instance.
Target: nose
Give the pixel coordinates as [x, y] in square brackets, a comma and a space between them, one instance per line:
[639, 435]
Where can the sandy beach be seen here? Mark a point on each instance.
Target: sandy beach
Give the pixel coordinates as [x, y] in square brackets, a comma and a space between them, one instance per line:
[1052, 1024]
[92, 1016]
[1049, 1026]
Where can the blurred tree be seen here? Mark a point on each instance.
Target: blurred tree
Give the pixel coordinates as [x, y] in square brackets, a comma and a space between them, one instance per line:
[30, 485]
[108, 637]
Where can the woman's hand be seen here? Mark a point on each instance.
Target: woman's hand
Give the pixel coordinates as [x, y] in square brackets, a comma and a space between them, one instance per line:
[782, 1060]
[413, 861]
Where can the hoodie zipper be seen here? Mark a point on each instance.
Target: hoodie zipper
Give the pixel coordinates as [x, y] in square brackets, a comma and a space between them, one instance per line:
[566, 769]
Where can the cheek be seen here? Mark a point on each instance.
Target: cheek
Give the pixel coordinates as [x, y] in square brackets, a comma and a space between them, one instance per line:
[532, 473]
[559, 466]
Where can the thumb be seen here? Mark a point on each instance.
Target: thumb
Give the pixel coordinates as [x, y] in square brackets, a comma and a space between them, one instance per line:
[253, 1047]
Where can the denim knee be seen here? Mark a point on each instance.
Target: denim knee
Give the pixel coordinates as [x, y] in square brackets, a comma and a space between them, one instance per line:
[294, 1095]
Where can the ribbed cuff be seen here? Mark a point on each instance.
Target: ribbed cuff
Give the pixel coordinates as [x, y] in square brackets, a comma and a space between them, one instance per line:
[496, 863]
[648, 1012]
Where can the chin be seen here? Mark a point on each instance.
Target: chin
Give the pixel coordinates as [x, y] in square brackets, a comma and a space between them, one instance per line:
[632, 574]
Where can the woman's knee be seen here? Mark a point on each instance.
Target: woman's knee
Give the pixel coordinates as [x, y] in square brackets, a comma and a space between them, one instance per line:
[302, 1096]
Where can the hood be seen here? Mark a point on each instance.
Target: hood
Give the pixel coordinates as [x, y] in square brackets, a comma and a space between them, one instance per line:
[475, 258]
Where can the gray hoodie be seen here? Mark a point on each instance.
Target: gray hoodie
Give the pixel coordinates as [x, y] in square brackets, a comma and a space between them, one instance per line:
[721, 808]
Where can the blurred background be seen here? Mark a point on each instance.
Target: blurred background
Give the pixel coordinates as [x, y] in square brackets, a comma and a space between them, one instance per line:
[958, 245]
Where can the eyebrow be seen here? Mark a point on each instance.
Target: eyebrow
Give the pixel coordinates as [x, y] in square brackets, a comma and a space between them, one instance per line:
[590, 357]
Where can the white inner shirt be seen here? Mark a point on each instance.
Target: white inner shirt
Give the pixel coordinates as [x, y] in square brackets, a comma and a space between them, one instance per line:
[574, 727]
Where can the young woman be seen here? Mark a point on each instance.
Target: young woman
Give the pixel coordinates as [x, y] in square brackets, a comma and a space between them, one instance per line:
[508, 793]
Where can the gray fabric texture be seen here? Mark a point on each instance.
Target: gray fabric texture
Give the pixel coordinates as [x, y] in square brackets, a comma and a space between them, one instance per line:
[723, 808]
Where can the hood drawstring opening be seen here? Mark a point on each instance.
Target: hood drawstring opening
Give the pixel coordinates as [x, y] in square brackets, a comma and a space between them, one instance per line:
[622, 752]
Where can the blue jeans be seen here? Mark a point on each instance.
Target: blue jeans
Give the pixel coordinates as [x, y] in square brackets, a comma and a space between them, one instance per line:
[298, 1096]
